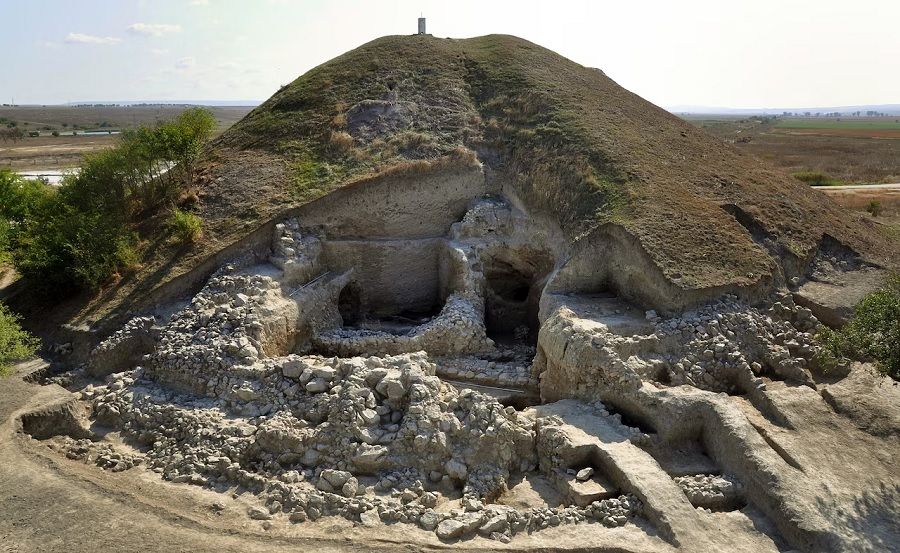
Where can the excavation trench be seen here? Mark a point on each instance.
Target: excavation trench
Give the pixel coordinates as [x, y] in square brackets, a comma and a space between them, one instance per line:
[385, 370]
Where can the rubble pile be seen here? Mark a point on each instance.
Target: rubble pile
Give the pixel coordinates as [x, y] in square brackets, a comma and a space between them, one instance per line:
[345, 437]
[507, 367]
[726, 338]
[711, 491]
[724, 346]
[295, 252]
[125, 347]
[221, 332]
[102, 454]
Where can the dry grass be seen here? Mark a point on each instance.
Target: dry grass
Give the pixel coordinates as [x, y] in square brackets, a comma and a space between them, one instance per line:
[52, 152]
[851, 160]
[859, 200]
[340, 142]
[858, 158]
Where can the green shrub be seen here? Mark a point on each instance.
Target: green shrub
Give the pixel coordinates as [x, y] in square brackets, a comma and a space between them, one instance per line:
[62, 239]
[874, 331]
[68, 249]
[147, 169]
[15, 343]
[185, 226]
[20, 199]
[874, 208]
[5, 246]
[815, 178]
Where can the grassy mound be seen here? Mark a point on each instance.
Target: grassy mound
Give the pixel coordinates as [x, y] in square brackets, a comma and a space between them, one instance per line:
[568, 139]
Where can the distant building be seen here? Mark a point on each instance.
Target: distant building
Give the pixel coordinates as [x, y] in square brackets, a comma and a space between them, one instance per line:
[421, 25]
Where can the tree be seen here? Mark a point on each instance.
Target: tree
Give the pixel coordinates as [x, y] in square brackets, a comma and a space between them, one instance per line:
[81, 234]
[192, 129]
[12, 133]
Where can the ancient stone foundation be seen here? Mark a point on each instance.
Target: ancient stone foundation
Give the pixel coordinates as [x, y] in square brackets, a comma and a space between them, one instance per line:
[471, 377]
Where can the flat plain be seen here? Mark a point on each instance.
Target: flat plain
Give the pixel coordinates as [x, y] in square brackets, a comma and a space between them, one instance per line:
[89, 123]
[847, 150]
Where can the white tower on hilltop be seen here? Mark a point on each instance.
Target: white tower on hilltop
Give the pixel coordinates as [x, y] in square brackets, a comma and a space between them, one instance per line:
[421, 25]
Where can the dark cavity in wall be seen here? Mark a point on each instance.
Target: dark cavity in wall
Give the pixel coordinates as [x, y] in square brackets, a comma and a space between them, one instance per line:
[513, 285]
[354, 313]
[349, 305]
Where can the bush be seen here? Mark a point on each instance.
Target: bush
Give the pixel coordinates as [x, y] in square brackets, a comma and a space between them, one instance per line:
[874, 332]
[185, 226]
[149, 166]
[340, 142]
[815, 178]
[874, 208]
[68, 249]
[62, 239]
[15, 343]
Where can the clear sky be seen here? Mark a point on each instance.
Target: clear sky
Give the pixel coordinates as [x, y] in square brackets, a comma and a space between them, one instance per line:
[732, 53]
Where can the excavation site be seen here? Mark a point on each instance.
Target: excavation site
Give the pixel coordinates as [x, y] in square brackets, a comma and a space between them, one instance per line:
[469, 295]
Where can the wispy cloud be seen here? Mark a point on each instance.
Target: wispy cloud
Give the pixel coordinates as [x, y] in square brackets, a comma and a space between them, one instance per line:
[185, 63]
[81, 38]
[158, 51]
[152, 29]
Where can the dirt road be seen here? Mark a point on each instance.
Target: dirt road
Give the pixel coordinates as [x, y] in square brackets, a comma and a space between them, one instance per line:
[890, 186]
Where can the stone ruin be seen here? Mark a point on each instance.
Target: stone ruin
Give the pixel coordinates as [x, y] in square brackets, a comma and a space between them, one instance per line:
[424, 380]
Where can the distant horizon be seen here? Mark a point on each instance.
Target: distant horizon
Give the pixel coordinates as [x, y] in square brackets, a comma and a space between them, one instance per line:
[180, 102]
[688, 109]
[695, 52]
[890, 109]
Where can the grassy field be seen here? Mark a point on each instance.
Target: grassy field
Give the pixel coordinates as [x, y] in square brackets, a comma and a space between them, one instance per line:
[56, 152]
[51, 152]
[866, 127]
[845, 151]
[868, 123]
[46, 119]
